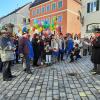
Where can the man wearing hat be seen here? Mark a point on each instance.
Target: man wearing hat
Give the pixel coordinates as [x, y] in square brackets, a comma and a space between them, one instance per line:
[7, 54]
[26, 50]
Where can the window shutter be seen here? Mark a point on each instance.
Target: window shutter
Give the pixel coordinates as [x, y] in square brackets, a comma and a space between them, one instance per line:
[88, 7]
[97, 8]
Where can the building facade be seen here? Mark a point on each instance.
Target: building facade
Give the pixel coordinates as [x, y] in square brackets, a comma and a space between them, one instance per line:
[91, 17]
[17, 17]
[66, 12]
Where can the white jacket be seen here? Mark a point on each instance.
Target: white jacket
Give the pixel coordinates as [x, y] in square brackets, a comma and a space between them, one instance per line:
[55, 44]
[60, 43]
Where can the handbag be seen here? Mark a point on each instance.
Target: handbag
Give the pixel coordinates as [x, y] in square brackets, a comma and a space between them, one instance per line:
[7, 56]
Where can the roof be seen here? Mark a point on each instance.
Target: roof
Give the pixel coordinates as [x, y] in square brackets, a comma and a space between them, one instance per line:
[16, 10]
[38, 2]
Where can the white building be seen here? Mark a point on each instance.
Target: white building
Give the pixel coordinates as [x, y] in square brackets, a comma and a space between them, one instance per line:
[17, 17]
[90, 17]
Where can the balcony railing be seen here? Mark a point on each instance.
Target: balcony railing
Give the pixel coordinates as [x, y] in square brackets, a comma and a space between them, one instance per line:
[93, 28]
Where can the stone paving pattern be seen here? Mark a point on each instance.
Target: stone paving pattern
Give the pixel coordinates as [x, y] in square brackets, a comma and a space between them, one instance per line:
[53, 83]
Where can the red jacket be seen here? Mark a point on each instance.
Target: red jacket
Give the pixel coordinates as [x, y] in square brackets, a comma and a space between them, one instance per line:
[23, 48]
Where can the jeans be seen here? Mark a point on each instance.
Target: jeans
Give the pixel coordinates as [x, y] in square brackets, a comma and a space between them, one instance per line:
[27, 60]
[77, 56]
[48, 59]
[67, 54]
[71, 57]
[85, 52]
[1, 65]
[6, 69]
[35, 62]
[60, 56]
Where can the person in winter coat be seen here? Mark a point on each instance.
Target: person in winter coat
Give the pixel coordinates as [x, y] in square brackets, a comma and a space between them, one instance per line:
[7, 55]
[55, 48]
[26, 51]
[16, 51]
[62, 46]
[95, 58]
[41, 51]
[85, 46]
[70, 45]
[48, 53]
[36, 48]
[75, 52]
[76, 40]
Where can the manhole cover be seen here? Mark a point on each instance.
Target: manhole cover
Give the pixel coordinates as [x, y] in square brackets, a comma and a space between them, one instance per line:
[72, 74]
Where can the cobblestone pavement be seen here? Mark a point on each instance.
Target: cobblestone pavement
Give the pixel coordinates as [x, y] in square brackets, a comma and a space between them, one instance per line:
[61, 81]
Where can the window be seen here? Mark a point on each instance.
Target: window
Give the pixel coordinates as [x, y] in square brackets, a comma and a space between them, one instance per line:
[43, 9]
[38, 11]
[24, 20]
[59, 18]
[94, 27]
[93, 6]
[60, 4]
[34, 13]
[53, 19]
[28, 20]
[48, 8]
[53, 6]
[48, 20]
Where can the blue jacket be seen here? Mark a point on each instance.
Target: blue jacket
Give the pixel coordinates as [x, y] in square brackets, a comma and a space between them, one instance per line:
[70, 45]
[31, 53]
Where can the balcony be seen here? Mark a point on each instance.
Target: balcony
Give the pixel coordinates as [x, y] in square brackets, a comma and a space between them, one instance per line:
[93, 28]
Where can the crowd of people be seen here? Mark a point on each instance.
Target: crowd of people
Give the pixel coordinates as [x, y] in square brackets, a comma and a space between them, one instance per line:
[43, 50]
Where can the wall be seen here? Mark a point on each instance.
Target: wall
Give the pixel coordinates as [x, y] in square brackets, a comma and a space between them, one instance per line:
[93, 17]
[73, 19]
[23, 13]
[51, 14]
[9, 19]
[69, 12]
[16, 18]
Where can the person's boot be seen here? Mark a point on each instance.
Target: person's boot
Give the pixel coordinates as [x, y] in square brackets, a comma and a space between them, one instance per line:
[1, 66]
[98, 70]
[24, 70]
[7, 79]
[28, 71]
[12, 76]
[94, 69]
[71, 61]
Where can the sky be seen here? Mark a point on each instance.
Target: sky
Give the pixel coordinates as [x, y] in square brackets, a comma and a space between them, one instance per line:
[7, 6]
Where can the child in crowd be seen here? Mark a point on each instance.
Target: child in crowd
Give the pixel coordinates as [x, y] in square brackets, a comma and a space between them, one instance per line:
[75, 53]
[48, 53]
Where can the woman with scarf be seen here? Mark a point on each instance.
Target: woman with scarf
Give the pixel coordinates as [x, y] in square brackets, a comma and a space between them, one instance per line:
[7, 54]
[36, 48]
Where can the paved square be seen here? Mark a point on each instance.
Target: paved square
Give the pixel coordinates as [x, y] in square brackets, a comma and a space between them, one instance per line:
[61, 81]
